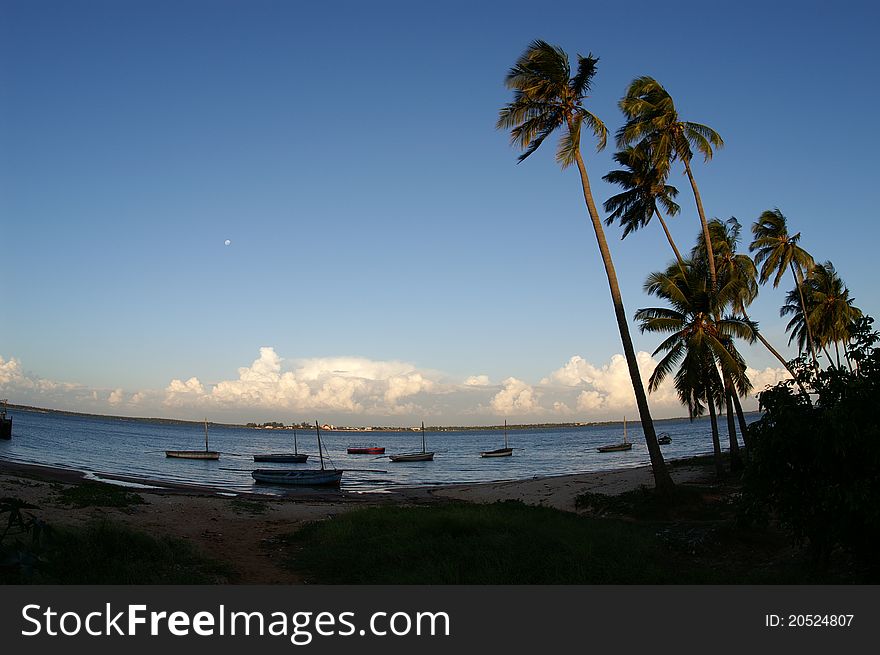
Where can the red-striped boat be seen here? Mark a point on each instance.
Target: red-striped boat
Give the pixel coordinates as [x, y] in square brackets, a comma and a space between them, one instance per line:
[366, 449]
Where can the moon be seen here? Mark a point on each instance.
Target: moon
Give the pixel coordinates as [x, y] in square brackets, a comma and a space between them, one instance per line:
[227, 242]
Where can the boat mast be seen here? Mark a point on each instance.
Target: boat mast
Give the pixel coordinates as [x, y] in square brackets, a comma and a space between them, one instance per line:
[320, 454]
[206, 434]
[624, 429]
[505, 433]
[423, 437]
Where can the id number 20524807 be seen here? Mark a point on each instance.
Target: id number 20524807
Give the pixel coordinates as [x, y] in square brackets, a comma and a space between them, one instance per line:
[808, 620]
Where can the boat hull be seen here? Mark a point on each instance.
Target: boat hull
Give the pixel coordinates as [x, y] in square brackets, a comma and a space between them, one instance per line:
[500, 452]
[614, 448]
[193, 454]
[412, 457]
[312, 478]
[282, 458]
[367, 450]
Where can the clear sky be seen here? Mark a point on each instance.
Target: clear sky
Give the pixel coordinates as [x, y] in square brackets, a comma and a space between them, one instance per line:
[386, 252]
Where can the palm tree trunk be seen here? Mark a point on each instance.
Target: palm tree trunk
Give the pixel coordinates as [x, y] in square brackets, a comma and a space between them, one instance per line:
[798, 281]
[716, 442]
[837, 353]
[671, 243]
[709, 251]
[743, 426]
[735, 460]
[662, 479]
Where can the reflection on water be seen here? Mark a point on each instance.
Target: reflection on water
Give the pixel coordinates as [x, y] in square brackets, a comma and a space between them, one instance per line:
[137, 449]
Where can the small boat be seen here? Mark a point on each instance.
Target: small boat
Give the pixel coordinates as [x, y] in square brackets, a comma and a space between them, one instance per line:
[664, 439]
[5, 423]
[299, 477]
[322, 477]
[195, 454]
[617, 447]
[295, 457]
[423, 456]
[366, 449]
[500, 452]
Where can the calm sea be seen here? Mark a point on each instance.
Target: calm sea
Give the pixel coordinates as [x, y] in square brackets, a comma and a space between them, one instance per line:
[137, 448]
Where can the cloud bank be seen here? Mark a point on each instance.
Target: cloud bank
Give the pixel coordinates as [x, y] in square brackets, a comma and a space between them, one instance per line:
[362, 391]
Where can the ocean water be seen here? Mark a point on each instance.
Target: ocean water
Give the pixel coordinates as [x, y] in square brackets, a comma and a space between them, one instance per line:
[103, 445]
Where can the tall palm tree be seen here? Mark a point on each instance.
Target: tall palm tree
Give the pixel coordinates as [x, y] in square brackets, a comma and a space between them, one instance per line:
[830, 311]
[653, 123]
[644, 188]
[777, 252]
[546, 98]
[699, 339]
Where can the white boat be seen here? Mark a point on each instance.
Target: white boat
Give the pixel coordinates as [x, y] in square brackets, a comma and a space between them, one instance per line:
[617, 447]
[499, 452]
[322, 477]
[423, 456]
[195, 454]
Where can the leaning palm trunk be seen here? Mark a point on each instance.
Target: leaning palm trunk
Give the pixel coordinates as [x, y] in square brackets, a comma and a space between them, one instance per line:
[735, 461]
[716, 442]
[662, 479]
[743, 426]
[710, 253]
[671, 243]
[798, 281]
[729, 393]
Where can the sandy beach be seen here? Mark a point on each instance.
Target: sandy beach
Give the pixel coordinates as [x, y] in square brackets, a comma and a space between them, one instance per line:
[246, 534]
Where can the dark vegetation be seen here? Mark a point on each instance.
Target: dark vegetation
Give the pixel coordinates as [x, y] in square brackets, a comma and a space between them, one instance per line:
[102, 552]
[95, 494]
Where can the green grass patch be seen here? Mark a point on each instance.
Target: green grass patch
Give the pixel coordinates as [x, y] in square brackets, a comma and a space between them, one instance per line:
[502, 543]
[96, 494]
[253, 507]
[645, 504]
[111, 553]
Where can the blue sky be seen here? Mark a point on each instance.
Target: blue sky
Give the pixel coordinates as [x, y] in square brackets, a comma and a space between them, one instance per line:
[349, 154]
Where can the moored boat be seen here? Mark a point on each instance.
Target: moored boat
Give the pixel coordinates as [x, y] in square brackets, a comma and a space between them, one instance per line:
[322, 477]
[499, 452]
[302, 478]
[195, 454]
[423, 456]
[366, 449]
[617, 447]
[664, 439]
[295, 457]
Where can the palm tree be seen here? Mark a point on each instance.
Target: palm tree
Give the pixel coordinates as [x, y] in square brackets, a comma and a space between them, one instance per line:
[652, 122]
[645, 187]
[776, 251]
[829, 309]
[546, 98]
[699, 340]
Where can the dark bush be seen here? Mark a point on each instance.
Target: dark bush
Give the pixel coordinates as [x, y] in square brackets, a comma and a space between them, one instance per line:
[815, 459]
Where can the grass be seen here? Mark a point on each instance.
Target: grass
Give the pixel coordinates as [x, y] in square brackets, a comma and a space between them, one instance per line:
[692, 539]
[97, 494]
[252, 507]
[502, 543]
[110, 553]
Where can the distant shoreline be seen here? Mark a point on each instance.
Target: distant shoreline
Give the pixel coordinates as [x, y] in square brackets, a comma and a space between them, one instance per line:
[449, 428]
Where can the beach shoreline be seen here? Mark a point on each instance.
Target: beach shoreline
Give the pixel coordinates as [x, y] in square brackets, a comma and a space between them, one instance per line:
[246, 530]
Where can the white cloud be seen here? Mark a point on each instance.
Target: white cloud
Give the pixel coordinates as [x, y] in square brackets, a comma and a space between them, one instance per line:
[340, 388]
[516, 398]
